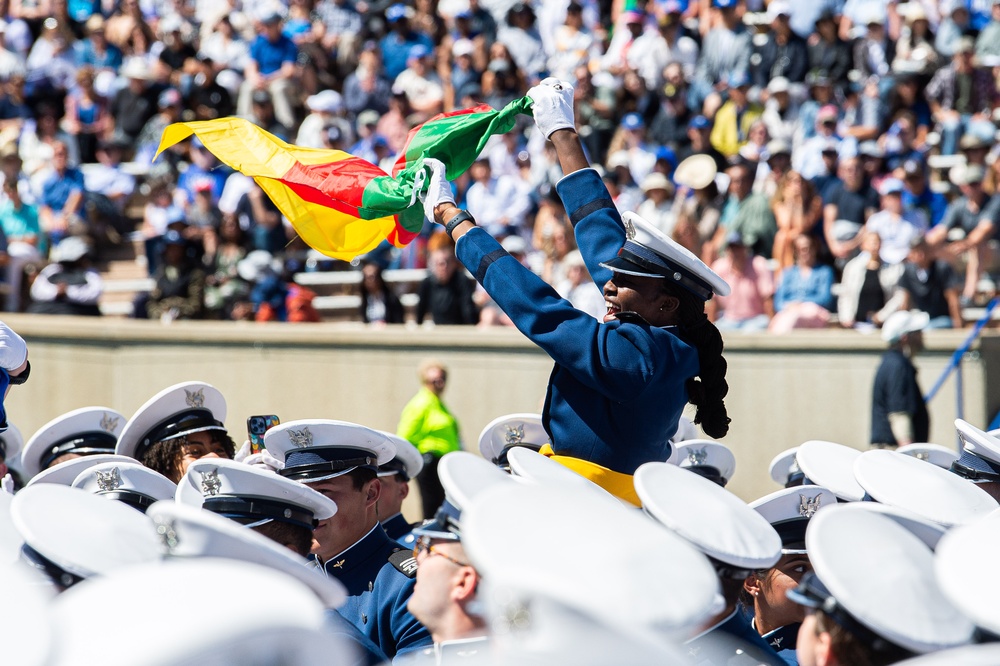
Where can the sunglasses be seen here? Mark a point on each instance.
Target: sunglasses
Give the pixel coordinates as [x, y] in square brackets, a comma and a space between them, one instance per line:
[423, 545]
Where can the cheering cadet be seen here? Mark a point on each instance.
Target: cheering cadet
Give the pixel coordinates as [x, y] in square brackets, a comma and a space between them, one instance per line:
[506, 432]
[341, 460]
[618, 388]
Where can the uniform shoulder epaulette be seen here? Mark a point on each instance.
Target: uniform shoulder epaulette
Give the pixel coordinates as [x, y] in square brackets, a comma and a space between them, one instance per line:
[630, 317]
[404, 562]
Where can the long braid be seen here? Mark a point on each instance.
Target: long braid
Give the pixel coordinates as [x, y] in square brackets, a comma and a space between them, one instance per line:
[710, 388]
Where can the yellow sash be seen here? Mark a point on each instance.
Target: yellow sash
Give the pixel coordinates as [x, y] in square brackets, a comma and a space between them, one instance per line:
[618, 484]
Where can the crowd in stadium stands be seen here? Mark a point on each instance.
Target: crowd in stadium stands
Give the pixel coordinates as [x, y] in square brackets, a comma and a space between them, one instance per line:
[847, 150]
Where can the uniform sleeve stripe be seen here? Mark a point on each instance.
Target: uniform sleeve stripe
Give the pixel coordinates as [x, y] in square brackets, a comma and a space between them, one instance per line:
[486, 261]
[592, 207]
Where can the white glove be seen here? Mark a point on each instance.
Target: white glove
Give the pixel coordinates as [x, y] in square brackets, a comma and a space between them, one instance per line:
[244, 451]
[439, 189]
[552, 106]
[264, 460]
[7, 484]
[13, 349]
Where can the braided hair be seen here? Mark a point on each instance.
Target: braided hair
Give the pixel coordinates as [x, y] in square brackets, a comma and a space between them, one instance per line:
[706, 392]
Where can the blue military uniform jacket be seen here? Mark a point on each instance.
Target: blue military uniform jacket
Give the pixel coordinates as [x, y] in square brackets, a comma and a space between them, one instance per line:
[617, 390]
[732, 642]
[400, 531]
[379, 576]
[368, 654]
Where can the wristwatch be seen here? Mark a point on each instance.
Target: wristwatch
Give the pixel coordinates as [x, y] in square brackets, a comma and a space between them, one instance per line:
[457, 220]
[21, 378]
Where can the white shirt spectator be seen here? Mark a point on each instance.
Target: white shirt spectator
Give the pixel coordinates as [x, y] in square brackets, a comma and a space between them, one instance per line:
[421, 91]
[499, 205]
[651, 53]
[897, 232]
[45, 291]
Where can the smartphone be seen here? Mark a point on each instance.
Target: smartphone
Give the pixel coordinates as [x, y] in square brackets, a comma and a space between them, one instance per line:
[257, 426]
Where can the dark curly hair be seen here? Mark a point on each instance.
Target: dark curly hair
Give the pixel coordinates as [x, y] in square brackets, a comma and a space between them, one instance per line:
[165, 456]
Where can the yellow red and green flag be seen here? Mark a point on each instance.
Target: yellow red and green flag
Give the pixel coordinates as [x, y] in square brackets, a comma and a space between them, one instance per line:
[340, 204]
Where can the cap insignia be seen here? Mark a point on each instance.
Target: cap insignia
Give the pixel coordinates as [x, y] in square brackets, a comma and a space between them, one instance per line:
[515, 616]
[210, 483]
[110, 480]
[629, 229]
[109, 423]
[697, 456]
[922, 455]
[195, 399]
[167, 533]
[301, 438]
[515, 435]
[809, 505]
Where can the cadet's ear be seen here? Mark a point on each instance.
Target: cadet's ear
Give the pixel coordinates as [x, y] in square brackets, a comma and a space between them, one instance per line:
[373, 491]
[466, 582]
[824, 649]
[752, 585]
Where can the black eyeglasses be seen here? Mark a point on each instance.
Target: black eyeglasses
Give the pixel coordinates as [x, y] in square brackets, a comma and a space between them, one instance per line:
[423, 545]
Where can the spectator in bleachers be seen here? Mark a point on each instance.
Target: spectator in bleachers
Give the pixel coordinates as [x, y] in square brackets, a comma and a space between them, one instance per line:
[849, 204]
[781, 112]
[917, 195]
[520, 35]
[931, 285]
[804, 294]
[263, 114]
[873, 51]
[379, 305]
[869, 287]
[87, 118]
[783, 53]
[62, 197]
[973, 217]
[159, 211]
[169, 105]
[208, 98]
[95, 51]
[829, 56]
[699, 143]
[397, 43]
[365, 88]
[810, 158]
[324, 109]
[906, 96]
[988, 41]
[271, 68]
[223, 285]
[106, 177]
[572, 44]
[658, 207]
[750, 303]
[725, 52]
[225, 47]
[24, 239]
[38, 142]
[420, 83]
[135, 103]
[953, 27]
[735, 117]
[69, 285]
[498, 204]
[797, 210]
[337, 26]
[445, 296]
[175, 48]
[746, 212]
[959, 94]
[915, 47]
[179, 283]
[261, 219]
[204, 167]
[50, 64]
[896, 227]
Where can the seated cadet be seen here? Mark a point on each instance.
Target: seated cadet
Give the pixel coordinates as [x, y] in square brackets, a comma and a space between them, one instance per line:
[775, 617]
[784, 469]
[735, 538]
[980, 459]
[618, 387]
[444, 599]
[872, 597]
[705, 458]
[82, 432]
[177, 426]
[189, 532]
[341, 460]
[510, 430]
[64, 473]
[281, 509]
[129, 483]
[395, 477]
[919, 488]
[70, 535]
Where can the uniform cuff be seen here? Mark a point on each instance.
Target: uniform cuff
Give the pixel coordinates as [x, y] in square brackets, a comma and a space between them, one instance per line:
[476, 249]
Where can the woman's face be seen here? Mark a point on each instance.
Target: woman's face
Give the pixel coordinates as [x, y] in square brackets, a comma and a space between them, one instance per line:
[632, 293]
[771, 601]
[805, 251]
[196, 446]
[370, 277]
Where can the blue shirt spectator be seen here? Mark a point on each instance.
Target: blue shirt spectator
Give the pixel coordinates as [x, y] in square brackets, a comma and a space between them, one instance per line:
[59, 187]
[270, 56]
[397, 44]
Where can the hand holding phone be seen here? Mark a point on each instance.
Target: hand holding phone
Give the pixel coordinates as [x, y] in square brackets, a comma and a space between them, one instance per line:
[257, 426]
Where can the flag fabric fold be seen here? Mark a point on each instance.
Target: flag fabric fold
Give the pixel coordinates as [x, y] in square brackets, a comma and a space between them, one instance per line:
[342, 205]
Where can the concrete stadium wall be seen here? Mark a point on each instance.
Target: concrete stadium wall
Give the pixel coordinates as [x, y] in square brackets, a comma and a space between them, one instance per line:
[783, 390]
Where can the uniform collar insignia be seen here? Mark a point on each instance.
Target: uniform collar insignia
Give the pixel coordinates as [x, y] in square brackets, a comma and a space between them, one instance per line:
[809, 505]
[195, 399]
[515, 435]
[210, 483]
[109, 423]
[301, 438]
[776, 642]
[110, 480]
[338, 563]
[697, 456]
